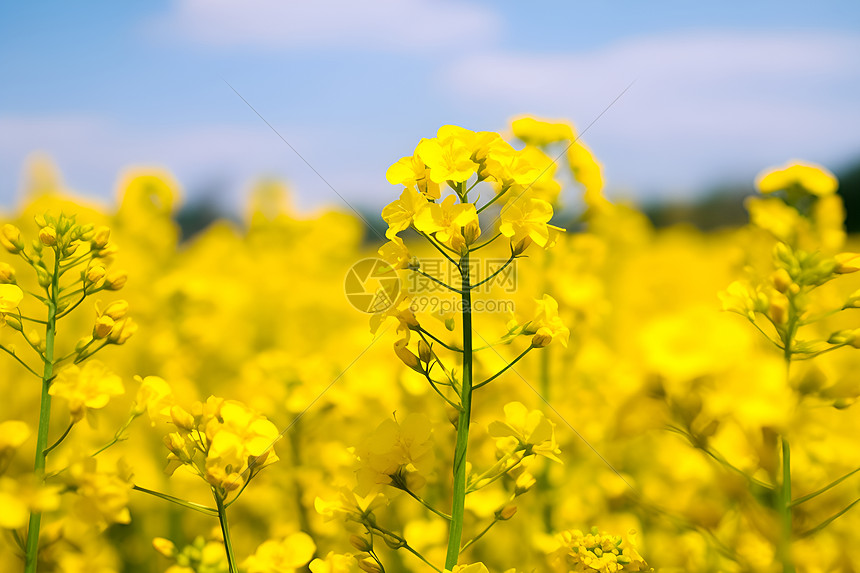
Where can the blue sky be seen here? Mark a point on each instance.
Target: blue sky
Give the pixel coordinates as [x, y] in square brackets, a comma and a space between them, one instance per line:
[721, 91]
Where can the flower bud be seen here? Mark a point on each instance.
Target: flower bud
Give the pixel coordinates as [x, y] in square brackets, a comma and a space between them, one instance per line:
[471, 232]
[393, 542]
[853, 300]
[122, 331]
[35, 340]
[542, 338]
[181, 418]
[116, 310]
[116, 280]
[506, 513]
[48, 236]
[520, 247]
[95, 274]
[101, 236]
[360, 543]
[42, 276]
[524, 483]
[407, 357]
[369, 566]
[778, 310]
[175, 443]
[10, 239]
[103, 327]
[781, 280]
[847, 263]
[845, 337]
[425, 353]
[7, 273]
[164, 546]
[13, 322]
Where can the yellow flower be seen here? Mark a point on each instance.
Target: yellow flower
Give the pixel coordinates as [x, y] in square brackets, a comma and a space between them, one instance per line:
[546, 325]
[19, 497]
[447, 157]
[400, 213]
[596, 552]
[283, 556]
[447, 220]
[536, 131]
[410, 171]
[90, 387]
[101, 498]
[13, 433]
[509, 166]
[472, 568]
[811, 178]
[531, 430]
[153, 397]
[395, 253]
[10, 297]
[527, 218]
[334, 563]
[396, 453]
[588, 172]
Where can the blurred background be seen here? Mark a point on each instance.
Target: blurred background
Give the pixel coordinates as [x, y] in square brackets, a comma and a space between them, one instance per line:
[719, 92]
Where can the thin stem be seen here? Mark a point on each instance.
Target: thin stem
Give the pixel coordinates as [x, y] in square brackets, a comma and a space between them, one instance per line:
[829, 520]
[423, 502]
[479, 535]
[73, 307]
[485, 243]
[16, 357]
[816, 493]
[495, 273]
[228, 543]
[116, 437]
[36, 320]
[32, 548]
[459, 493]
[438, 246]
[177, 501]
[503, 370]
[785, 509]
[437, 281]
[60, 439]
[404, 544]
[494, 199]
[448, 346]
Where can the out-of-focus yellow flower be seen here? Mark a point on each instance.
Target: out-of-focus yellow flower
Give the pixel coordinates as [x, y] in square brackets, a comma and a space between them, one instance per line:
[10, 297]
[811, 178]
[90, 387]
[527, 218]
[588, 172]
[154, 397]
[471, 568]
[530, 430]
[535, 131]
[334, 563]
[101, 498]
[398, 454]
[773, 215]
[284, 556]
[19, 497]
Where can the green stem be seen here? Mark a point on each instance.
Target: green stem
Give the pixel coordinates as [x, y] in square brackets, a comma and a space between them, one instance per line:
[494, 274]
[785, 509]
[494, 199]
[59, 441]
[818, 492]
[459, 493]
[830, 519]
[228, 544]
[426, 504]
[435, 280]
[177, 501]
[32, 548]
[480, 535]
[503, 370]
[16, 357]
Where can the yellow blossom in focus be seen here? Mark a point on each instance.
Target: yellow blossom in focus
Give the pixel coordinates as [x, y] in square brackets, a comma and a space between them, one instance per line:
[400, 213]
[527, 218]
[446, 221]
[398, 454]
[595, 552]
[90, 387]
[546, 325]
[395, 253]
[411, 172]
[448, 158]
[813, 179]
[472, 568]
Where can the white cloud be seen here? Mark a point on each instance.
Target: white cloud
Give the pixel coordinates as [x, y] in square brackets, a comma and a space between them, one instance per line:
[381, 25]
[703, 104]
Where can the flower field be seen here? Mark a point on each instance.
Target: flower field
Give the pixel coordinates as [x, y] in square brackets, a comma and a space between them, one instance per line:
[485, 386]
